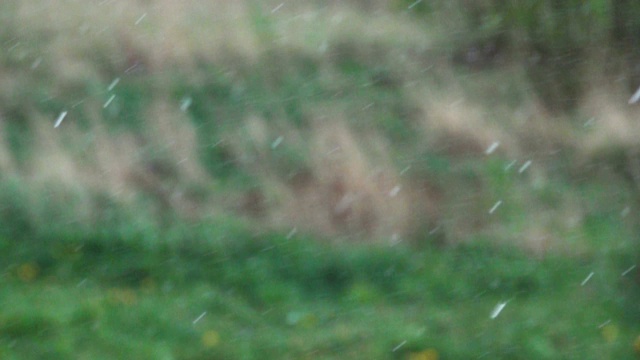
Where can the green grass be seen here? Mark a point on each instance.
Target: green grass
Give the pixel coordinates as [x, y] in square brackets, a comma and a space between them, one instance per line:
[103, 295]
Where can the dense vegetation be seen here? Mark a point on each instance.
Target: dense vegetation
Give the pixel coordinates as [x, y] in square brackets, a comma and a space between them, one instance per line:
[558, 39]
[383, 179]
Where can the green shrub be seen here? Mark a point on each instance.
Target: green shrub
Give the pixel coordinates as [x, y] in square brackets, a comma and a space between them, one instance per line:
[557, 39]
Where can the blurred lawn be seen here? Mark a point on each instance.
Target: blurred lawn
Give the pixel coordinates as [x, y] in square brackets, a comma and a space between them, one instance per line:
[223, 292]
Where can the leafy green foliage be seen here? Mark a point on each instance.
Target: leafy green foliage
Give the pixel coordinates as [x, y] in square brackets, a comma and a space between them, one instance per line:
[557, 39]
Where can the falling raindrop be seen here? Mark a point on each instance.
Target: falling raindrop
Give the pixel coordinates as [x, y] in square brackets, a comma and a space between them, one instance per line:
[185, 103]
[394, 192]
[414, 4]
[492, 148]
[277, 8]
[199, 318]
[495, 206]
[498, 309]
[636, 96]
[141, 18]
[59, 119]
[113, 84]
[108, 102]
[587, 279]
[524, 167]
[276, 142]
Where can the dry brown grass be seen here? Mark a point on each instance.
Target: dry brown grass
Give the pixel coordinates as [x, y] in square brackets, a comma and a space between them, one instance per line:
[461, 128]
[347, 191]
[613, 122]
[350, 184]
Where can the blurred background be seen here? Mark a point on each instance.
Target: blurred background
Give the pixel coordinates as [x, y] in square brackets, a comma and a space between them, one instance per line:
[319, 179]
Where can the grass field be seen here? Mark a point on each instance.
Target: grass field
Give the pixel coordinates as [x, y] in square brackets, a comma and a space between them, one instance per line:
[224, 292]
[263, 180]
